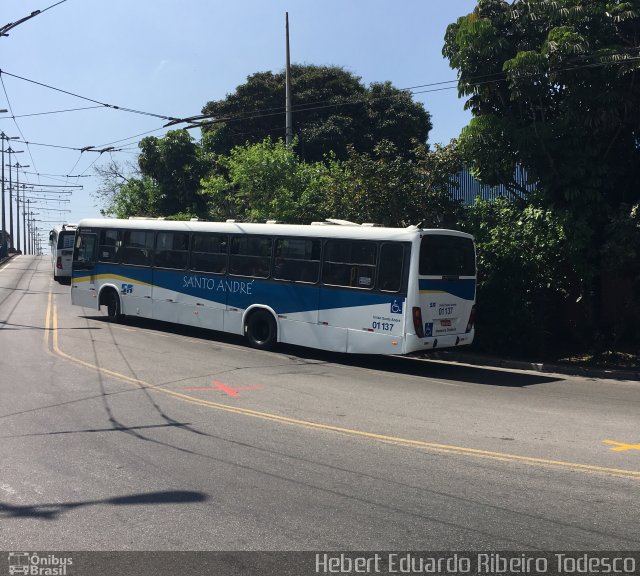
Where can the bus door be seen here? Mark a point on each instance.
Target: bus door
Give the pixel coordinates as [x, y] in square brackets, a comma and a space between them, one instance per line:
[447, 286]
[136, 273]
[83, 283]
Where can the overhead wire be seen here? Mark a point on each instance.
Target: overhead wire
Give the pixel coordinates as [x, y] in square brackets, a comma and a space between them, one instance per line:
[307, 106]
[4, 29]
[104, 104]
[4, 88]
[55, 175]
[54, 112]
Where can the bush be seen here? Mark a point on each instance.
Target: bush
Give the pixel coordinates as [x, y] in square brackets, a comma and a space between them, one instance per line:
[528, 272]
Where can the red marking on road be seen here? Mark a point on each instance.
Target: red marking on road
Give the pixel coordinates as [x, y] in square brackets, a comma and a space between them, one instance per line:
[230, 391]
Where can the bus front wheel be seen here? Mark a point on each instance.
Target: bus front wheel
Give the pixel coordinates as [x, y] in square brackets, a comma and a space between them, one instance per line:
[261, 330]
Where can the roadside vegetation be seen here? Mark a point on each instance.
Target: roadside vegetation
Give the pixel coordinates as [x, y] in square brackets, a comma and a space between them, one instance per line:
[553, 87]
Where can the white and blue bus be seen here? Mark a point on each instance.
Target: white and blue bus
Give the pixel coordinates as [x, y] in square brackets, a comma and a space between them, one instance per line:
[61, 240]
[345, 288]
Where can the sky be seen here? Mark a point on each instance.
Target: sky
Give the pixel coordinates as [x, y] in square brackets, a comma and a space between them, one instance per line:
[170, 57]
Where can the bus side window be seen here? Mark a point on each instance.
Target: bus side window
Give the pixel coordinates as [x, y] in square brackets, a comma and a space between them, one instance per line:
[297, 260]
[349, 263]
[209, 253]
[250, 256]
[138, 247]
[172, 250]
[390, 268]
[109, 246]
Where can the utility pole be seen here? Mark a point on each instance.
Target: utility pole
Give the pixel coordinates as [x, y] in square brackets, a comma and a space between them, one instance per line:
[31, 224]
[3, 240]
[18, 166]
[11, 151]
[3, 231]
[24, 220]
[287, 75]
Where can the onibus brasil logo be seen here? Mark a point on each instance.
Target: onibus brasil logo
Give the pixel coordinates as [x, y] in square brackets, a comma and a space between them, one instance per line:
[28, 563]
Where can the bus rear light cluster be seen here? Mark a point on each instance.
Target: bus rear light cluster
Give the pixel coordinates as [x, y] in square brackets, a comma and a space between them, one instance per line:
[472, 319]
[417, 321]
[59, 263]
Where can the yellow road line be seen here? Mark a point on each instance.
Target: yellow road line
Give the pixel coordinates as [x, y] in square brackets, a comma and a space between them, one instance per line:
[622, 446]
[406, 442]
[47, 321]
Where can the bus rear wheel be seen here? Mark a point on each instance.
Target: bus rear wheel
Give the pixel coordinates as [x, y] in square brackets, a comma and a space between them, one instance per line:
[112, 301]
[261, 330]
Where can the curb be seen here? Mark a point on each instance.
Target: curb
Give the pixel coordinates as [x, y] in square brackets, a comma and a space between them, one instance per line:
[584, 371]
[8, 258]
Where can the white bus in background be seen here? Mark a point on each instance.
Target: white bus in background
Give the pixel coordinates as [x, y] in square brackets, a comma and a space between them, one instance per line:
[61, 240]
[342, 287]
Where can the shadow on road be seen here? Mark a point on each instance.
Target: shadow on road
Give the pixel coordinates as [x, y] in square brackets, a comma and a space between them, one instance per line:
[100, 430]
[52, 511]
[13, 326]
[407, 365]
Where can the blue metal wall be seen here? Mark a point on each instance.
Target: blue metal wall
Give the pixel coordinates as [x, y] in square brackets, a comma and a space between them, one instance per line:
[469, 188]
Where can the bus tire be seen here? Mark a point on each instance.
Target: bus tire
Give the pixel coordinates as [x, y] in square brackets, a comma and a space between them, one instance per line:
[112, 302]
[261, 330]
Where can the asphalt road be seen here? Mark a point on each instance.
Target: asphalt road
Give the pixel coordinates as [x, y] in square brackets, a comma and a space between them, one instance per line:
[147, 436]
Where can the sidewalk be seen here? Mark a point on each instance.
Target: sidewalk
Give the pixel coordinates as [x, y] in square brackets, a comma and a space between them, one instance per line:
[478, 359]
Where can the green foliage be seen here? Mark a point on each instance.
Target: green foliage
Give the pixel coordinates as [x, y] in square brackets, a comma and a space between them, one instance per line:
[133, 197]
[527, 275]
[332, 111]
[257, 182]
[175, 163]
[621, 251]
[551, 84]
[264, 181]
[390, 189]
[621, 265]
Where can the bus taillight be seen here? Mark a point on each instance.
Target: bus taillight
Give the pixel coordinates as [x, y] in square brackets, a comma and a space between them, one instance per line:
[59, 263]
[472, 319]
[417, 321]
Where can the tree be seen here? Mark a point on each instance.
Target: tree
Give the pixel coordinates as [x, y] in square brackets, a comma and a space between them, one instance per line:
[124, 191]
[332, 110]
[166, 181]
[527, 278]
[552, 84]
[257, 182]
[175, 164]
[263, 181]
[391, 189]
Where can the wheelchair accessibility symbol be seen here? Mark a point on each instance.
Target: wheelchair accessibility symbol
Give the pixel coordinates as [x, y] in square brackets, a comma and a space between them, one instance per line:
[396, 307]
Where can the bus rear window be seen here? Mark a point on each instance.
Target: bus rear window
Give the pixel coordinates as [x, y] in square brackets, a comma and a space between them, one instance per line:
[442, 255]
[65, 240]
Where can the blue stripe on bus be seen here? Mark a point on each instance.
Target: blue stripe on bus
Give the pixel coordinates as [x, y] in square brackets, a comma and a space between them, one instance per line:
[463, 288]
[241, 292]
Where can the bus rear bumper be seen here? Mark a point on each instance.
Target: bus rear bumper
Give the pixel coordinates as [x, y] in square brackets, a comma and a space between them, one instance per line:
[415, 344]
